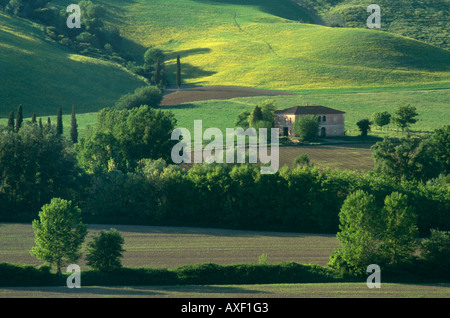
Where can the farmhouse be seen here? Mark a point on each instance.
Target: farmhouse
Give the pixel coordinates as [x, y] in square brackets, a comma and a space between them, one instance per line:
[331, 121]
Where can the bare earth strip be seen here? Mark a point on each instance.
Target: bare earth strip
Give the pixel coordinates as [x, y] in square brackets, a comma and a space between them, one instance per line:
[194, 94]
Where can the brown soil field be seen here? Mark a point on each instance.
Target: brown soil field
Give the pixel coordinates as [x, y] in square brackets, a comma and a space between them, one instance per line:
[188, 94]
[323, 290]
[170, 247]
[355, 157]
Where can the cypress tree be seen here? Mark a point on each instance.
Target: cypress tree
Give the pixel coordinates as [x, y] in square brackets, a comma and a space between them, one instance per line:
[49, 123]
[40, 123]
[59, 124]
[156, 76]
[33, 119]
[11, 121]
[257, 115]
[74, 127]
[178, 72]
[19, 118]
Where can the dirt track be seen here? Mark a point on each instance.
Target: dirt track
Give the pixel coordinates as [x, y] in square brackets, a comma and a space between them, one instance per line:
[174, 96]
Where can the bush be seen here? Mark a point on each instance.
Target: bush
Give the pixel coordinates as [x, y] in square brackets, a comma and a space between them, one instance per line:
[307, 127]
[146, 95]
[105, 251]
[435, 252]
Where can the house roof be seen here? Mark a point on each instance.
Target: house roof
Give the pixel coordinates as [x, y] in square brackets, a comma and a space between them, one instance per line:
[308, 110]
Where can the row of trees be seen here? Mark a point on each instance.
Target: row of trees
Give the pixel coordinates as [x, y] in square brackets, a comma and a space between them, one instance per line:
[403, 118]
[17, 124]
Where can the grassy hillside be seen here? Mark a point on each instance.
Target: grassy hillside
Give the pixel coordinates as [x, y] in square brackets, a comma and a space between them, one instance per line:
[43, 76]
[259, 43]
[426, 21]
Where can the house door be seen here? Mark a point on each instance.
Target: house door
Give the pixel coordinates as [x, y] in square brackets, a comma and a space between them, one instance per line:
[285, 131]
[323, 132]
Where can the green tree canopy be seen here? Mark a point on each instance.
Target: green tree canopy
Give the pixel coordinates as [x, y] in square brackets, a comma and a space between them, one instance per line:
[35, 165]
[59, 233]
[364, 126]
[127, 136]
[381, 119]
[405, 116]
[146, 95]
[105, 251]
[307, 127]
[370, 234]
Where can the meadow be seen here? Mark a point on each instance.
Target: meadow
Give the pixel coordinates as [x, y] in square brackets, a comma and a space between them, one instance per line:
[42, 76]
[251, 44]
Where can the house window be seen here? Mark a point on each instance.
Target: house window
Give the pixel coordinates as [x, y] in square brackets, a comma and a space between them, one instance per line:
[335, 119]
[335, 131]
[324, 119]
[319, 119]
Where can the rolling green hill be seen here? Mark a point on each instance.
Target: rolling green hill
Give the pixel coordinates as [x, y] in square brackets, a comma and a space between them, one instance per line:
[43, 76]
[260, 43]
[252, 43]
[424, 20]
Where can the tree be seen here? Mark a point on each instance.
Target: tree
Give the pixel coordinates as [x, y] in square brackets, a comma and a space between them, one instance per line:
[178, 72]
[404, 116]
[435, 251]
[33, 118]
[36, 165]
[307, 127]
[105, 251]
[59, 233]
[152, 55]
[360, 228]
[364, 126]
[19, 119]
[400, 231]
[381, 119]
[59, 124]
[268, 108]
[441, 144]
[74, 127]
[412, 158]
[256, 115]
[157, 72]
[370, 234]
[11, 121]
[242, 120]
[128, 136]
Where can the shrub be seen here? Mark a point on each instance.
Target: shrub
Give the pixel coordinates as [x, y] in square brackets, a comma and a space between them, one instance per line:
[146, 95]
[307, 127]
[105, 251]
[435, 251]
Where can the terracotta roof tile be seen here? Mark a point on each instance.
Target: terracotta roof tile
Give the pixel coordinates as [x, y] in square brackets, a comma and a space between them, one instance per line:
[308, 110]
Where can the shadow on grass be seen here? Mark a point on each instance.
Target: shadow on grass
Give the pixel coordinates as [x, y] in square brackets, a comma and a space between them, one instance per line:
[282, 8]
